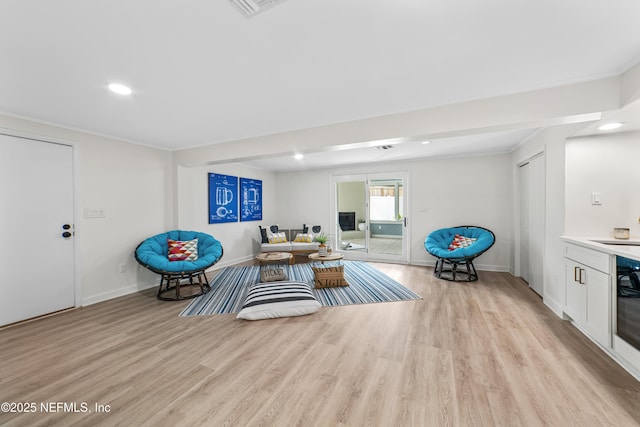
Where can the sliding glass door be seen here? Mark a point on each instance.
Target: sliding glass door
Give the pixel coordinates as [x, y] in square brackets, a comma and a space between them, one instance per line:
[369, 213]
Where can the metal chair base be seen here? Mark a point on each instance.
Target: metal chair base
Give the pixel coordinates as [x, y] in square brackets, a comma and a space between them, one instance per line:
[453, 273]
[173, 285]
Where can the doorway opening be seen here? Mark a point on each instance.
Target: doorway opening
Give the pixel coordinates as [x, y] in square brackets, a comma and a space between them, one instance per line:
[370, 221]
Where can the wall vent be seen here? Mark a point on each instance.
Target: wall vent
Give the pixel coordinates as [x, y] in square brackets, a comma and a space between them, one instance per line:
[251, 8]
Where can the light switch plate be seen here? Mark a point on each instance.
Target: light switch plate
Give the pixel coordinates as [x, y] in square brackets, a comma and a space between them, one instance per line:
[596, 198]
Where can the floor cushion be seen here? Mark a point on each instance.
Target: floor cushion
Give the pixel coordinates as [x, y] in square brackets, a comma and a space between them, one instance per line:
[278, 299]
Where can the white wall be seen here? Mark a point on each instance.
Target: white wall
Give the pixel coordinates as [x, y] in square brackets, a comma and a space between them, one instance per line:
[443, 193]
[351, 199]
[240, 240]
[630, 85]
[606, 164]
[130, 183]
[302, 198]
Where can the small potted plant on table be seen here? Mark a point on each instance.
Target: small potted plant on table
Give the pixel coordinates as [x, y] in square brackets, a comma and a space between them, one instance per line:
[322, 239]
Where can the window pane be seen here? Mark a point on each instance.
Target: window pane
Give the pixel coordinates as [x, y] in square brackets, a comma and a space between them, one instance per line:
[383, 203]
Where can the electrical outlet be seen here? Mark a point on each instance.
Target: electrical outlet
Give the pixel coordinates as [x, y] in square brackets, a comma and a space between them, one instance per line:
[123, 268]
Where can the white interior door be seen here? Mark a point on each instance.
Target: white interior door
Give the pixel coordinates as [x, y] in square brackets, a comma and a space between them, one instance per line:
[524, 221]
[36, 206]
[532, 222]
[537, 223]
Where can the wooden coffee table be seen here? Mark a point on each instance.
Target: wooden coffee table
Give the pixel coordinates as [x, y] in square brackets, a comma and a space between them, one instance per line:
[274, 257]
[329, 257]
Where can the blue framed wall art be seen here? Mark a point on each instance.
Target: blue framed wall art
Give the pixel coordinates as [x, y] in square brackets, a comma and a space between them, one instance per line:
[250, 199]
[223, 198]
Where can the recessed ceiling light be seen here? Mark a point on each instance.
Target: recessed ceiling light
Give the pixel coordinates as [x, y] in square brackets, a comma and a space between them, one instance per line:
[610, 126]
[119, 89]
[426, 142]
[298, 156]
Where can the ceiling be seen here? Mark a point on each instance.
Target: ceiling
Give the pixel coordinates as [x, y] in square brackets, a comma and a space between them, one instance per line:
[399, 149]
[202, 73]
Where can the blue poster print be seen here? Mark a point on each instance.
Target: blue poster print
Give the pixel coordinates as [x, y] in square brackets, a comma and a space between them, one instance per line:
[223, 198]
[250, 199]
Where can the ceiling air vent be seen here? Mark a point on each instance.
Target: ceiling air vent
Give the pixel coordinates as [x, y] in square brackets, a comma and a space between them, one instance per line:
[251, 8]
[384, 147]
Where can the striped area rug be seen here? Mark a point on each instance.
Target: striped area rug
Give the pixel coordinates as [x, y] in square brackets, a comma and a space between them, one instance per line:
[366, 285]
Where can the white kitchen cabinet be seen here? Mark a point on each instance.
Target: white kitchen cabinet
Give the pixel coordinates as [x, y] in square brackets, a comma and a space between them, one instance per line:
[599, 306]
[588, 291]
[576, 306]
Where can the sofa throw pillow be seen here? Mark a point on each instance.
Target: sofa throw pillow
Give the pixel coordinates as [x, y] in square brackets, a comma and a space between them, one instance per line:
[263, 235]
[315, 229]
[304, 238]
[278, 299]
[461, 242]
[278, 238]
[179, 250]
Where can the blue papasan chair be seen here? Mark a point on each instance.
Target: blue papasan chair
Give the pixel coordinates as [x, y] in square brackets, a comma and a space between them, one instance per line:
[457, 246]
[182, 267]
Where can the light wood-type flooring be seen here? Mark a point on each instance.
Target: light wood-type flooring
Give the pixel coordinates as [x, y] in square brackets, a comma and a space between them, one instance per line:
[469, 354]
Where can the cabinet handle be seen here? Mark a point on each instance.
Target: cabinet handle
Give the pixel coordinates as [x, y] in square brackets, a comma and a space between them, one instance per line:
[582, 271]
[575, 273]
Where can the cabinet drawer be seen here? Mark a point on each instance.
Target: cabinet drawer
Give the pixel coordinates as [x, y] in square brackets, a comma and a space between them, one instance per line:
[594, 259]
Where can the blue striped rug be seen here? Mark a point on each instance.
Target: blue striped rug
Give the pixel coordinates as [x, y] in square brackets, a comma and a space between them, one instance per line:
[366, 285]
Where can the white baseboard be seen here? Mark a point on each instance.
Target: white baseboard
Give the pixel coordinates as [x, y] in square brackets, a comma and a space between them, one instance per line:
[126, 290]
[479, 267]
[554, 305]
[227, 263]
[137, 287]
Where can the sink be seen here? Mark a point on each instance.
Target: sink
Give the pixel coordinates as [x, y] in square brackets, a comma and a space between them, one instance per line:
[618, 242]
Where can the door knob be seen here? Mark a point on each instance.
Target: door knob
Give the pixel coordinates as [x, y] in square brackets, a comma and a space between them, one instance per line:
[66, 227]
[66, 234]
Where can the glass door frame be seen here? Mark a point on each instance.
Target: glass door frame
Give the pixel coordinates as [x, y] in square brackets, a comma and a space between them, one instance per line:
[368, 255]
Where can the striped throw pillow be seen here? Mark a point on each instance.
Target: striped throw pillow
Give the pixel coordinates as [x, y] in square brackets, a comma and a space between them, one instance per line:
[278, 299]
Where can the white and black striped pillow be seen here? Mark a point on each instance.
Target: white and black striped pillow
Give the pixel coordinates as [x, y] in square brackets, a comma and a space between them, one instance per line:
[278, 299]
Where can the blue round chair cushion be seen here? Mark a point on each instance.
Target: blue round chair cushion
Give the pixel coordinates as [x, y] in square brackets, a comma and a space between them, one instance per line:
[153, 252]
[437, 242]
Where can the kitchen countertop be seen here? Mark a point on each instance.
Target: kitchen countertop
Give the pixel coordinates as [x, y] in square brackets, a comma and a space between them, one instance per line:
[625, 248]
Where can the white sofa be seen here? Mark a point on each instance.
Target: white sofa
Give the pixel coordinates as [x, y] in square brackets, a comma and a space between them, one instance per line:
[296, 248]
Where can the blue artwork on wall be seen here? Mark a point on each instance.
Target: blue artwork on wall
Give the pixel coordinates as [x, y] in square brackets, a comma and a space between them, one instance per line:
[223, 198]
[250, 199]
